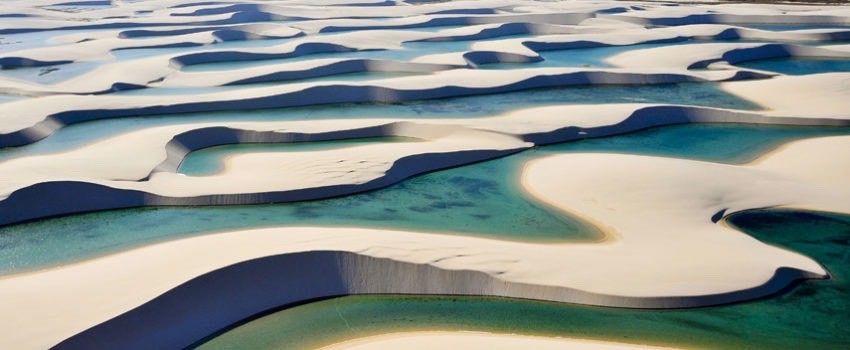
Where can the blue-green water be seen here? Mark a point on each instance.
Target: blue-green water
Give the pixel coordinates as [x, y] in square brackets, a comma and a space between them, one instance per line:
[698, 94]
[211, 160]
[587, 57]
[813, 315]
[579, 57]
[593, 57]
[482, 199]
[789, 27]
[408, 51]
[800, 66]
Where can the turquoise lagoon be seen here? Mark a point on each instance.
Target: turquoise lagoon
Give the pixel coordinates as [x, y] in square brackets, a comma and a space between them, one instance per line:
[812, 315]
[482, 199]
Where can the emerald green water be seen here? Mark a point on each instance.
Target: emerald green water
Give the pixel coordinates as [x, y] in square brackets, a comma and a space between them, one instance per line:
[478, 199]
[211, 160]
[811, 316]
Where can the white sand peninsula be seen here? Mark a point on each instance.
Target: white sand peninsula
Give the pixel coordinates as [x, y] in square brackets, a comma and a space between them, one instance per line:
[665, 246]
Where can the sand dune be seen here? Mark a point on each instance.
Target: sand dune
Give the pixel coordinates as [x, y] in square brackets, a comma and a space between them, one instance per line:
[703, 262]
[666, 242]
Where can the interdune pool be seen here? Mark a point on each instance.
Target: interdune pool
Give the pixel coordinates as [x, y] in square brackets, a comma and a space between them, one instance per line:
[92, 72]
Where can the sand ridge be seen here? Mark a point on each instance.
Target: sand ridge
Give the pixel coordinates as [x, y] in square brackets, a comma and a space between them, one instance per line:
[666, 244]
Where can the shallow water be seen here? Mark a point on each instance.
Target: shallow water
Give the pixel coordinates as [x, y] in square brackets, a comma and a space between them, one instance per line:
[811, 316]
[482, 199]
[409, 51]
[593, 57]
[588, 57]
[701, 94]
[789, 27]
[800, 66]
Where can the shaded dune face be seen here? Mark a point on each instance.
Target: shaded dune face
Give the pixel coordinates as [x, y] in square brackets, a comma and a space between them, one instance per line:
[76, 76]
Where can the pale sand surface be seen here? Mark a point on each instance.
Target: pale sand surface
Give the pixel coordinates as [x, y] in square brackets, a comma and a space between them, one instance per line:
[476, 340]
[162, 71]
[664, 246]
[29, 113]
[101, 162]
[799, 94]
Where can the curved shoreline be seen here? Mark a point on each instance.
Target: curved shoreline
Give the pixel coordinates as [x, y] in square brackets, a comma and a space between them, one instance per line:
[359, 261]
[418, 202]
[247, 292]
[43, 123]
[486, 139]
[667, 243]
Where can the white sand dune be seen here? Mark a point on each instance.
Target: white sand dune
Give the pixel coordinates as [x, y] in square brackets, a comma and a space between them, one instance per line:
[666, 244]
[94, 177]
[164, 70]
[702, 263]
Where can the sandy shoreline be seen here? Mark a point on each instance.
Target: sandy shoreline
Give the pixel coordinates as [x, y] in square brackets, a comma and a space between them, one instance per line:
[617, 266]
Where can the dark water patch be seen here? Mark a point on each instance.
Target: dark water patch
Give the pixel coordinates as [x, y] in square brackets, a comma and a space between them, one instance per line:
[800, 66]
